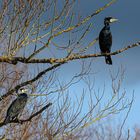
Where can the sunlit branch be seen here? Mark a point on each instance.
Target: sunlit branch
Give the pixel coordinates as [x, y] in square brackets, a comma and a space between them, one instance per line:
[15, 60]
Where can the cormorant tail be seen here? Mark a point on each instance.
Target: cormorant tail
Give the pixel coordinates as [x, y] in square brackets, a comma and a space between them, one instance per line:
[108, 60]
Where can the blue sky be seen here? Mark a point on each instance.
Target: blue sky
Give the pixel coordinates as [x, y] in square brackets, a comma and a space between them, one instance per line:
[125, 32]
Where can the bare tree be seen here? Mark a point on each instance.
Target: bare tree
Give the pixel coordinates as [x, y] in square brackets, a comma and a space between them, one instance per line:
[32, 54]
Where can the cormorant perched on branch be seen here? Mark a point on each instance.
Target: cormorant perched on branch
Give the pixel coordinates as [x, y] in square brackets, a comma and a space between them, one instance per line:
[105, 38]
[16, 106]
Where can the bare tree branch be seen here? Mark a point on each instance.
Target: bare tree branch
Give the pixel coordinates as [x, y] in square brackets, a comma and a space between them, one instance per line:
[39, 75]
[71, 28]
[15, 60]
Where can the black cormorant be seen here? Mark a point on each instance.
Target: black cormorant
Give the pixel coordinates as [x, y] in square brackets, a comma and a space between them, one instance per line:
[16, 106]
[105, 38]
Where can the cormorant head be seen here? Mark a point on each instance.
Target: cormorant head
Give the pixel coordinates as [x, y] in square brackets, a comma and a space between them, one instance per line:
[22, 93]
[108, 20]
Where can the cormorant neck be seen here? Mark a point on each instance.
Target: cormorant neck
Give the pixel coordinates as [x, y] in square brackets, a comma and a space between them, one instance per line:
[107, 26]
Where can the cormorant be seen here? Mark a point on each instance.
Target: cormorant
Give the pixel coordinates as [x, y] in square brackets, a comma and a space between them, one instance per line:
[105, 38]
[16, 106]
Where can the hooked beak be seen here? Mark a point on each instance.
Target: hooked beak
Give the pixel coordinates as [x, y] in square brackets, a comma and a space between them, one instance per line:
[113, 20]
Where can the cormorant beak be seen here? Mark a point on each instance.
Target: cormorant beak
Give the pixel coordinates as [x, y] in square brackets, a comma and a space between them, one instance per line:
[24, 90]
[113, 20]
